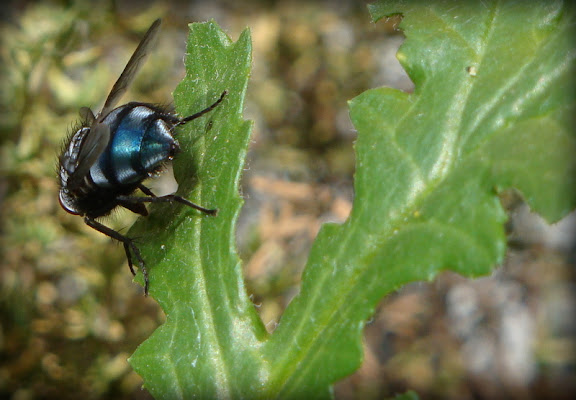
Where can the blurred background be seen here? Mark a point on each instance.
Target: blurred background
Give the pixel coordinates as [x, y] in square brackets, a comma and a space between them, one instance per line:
[70, 314]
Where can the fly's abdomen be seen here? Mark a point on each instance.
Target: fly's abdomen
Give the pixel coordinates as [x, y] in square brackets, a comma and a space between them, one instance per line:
[140, 143]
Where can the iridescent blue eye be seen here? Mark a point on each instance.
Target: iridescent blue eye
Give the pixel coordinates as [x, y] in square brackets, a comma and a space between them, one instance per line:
[106, 160]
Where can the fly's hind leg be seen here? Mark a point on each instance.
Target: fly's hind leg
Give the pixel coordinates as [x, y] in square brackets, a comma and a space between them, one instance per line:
[204, 111]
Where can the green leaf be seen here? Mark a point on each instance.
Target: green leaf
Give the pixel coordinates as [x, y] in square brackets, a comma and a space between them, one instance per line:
[208, 346]
[493, 109]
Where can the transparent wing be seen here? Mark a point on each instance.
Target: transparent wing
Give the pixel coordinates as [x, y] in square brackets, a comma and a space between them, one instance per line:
[92, 146]
[130, 70]
[87, 115]
[97, 139]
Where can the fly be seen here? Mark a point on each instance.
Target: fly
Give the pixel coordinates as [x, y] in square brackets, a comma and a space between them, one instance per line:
[106, 160]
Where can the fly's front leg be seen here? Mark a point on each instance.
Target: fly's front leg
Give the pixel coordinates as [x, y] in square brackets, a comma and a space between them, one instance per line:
[129, 258]
[128, 245]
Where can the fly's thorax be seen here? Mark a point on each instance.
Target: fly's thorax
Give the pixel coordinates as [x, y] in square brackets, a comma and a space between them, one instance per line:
[68, 161]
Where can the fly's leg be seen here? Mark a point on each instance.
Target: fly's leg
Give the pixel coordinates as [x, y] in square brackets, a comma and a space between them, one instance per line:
[170, 198]
[129, 258]
[128, 245]
[146, 190]
[204, 111]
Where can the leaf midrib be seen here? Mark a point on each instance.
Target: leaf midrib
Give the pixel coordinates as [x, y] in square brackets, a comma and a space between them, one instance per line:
[221, 374]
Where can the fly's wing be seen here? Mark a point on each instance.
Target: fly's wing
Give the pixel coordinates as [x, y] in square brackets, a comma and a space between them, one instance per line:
[97, 139]
[92, 146]
[130, 70]
[87, 115]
